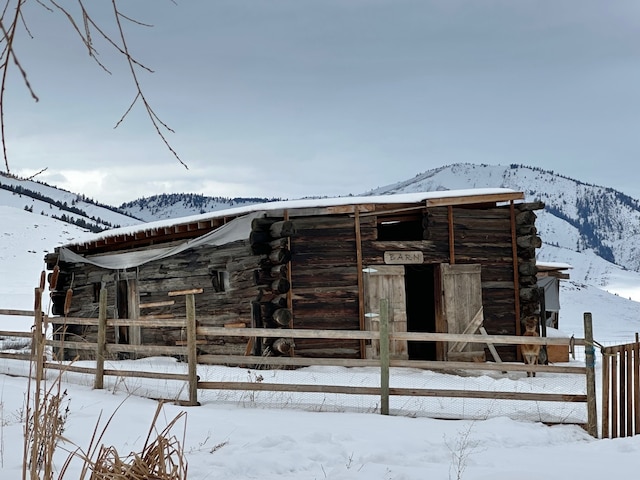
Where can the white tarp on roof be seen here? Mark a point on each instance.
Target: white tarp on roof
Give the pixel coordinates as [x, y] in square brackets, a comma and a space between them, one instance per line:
[292, 204]
[237, 229]
[240, 229]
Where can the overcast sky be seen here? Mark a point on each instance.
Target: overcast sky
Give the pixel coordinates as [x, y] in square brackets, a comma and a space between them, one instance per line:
[289, 98]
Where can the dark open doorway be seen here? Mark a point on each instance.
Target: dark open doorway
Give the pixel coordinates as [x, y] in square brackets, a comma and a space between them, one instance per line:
[122, 302]
[421, 311]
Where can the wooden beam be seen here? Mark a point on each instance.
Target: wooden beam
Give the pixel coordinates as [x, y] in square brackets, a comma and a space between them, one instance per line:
[101, 340]
[374, 335]
[391, 210]
[289, 274]
[5, 333]
[590, 364]
[452, 248]
[192, 349]
[165, 303]
[235, 325]
[360, 266]
[413, 392]
[20, 313]
[516, 275]
[118, 373]
[471, 199]
[492, 348]
[210, 359]
[471, 328]
[192, 291]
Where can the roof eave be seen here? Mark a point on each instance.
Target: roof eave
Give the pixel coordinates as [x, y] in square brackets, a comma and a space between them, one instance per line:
[471, 199]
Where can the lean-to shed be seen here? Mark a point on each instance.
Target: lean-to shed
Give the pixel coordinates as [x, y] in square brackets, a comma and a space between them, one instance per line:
[447, 261]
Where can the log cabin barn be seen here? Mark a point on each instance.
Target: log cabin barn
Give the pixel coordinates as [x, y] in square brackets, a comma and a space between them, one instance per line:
[447, 261]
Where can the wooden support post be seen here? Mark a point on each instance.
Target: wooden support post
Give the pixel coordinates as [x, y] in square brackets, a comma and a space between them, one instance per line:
[636, 383]
[605, 393]
[452, 241]
[622, 385]
[38, 337]
[363, 346]
[37, 350]
[254, 344]
[102, 339]
[133, 302]
[590, 363]
[384, 356]
[630, 417]
[614, 394]
[516, 274]
[192, 352]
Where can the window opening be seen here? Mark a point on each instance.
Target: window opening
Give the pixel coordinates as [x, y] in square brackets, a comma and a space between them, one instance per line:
[219, 280]
[406, 227]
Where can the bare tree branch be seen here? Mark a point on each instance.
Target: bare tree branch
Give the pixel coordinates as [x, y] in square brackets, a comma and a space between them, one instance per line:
[31, 177]
[9, 36]
[86, 32]
[152, 115]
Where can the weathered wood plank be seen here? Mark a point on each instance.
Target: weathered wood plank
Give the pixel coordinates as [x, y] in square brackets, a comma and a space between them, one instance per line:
[18, 313]
[190, 291]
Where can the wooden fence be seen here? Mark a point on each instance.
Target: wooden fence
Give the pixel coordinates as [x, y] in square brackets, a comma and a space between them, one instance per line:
[384, 391]
[621, 390]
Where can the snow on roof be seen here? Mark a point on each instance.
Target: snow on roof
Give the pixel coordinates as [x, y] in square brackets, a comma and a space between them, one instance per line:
[401, 198]
[553, 266]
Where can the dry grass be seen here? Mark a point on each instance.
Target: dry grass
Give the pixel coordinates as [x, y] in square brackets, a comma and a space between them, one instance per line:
[44, 426]
[160, 459]
[46, 413]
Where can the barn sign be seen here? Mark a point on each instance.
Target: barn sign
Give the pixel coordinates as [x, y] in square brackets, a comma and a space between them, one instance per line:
[403, 258]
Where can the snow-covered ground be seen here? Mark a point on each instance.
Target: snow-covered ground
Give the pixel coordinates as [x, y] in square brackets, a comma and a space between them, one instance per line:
[247, 442]
[268, 436]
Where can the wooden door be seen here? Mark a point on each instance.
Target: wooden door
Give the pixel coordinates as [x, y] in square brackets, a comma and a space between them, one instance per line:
[386, 281]
[462, 308]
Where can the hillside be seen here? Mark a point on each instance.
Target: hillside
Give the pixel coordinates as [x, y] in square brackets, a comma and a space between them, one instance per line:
[26, 239]
[159, 207]
[577, 216]
[72, 208]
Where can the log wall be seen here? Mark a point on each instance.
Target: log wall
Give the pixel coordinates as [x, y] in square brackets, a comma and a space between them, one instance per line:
[324, 279]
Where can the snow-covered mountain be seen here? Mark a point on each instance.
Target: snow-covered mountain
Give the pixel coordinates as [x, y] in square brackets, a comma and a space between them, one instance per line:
[159, 207]
[69, 208]
[578, 217]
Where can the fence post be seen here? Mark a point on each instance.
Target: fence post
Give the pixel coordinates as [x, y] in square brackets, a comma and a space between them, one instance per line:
[192, 352]
[606, 382]
[384, 356]
[636, 384]
[37, 347]
[37, 350]
[590, 363]
[102, 339]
